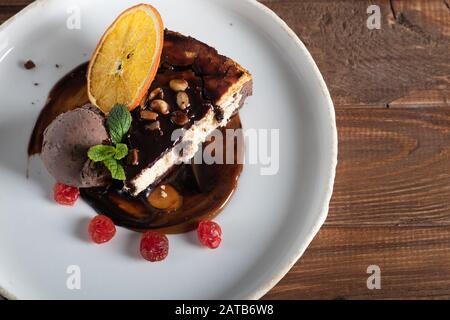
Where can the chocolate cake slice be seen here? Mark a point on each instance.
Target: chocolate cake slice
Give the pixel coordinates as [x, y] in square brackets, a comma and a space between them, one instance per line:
[197, 90]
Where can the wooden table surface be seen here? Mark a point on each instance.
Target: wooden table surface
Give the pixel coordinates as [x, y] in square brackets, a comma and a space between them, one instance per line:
[391, 204]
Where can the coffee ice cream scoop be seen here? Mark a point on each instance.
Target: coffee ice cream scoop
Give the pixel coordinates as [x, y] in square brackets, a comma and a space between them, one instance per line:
[66, 143]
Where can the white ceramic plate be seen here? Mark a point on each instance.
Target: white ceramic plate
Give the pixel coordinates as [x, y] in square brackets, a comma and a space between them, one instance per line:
[268, 224]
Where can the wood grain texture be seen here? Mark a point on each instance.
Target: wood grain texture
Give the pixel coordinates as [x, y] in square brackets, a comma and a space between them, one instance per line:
[391, 206]
[7, 11]
[410, 52]
[414, 263]
[394, 167]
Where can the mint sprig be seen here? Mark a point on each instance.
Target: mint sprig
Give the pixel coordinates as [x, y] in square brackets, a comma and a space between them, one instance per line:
[118, 123]
[116, 169]
[101, 152]
[121, 151]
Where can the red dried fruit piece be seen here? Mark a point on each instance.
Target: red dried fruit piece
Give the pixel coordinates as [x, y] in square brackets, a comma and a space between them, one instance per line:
[65, 195]
[209, 234]
[154, 246]
[101, 229]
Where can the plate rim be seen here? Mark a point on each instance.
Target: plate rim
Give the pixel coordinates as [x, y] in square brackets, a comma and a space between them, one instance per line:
[323, 214]
[331, 171]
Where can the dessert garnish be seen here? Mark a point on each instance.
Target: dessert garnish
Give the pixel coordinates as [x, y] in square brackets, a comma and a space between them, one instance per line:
[118, 123]
[108, 136]
[65, 195]
[210, 234]
[154, 246]
[126, 59]
[101, 229]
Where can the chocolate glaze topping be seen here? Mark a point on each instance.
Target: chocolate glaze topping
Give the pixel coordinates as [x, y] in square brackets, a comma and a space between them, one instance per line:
[152, 144]
[217, 72]
[209, 76]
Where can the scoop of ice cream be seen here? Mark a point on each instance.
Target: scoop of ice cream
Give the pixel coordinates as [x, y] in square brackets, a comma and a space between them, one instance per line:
[95, 174]
[66, 143]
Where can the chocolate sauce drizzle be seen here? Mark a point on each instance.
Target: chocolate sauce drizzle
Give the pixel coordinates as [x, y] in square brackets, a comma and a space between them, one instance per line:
[205, 189]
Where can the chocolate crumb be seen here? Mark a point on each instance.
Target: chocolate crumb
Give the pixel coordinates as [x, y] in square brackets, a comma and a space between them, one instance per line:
[29, 65]
[149, 115]
[36, 84]
[57, 65]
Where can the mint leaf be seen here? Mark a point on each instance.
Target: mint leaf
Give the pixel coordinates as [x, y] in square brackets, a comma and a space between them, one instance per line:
[101, 152]
[121, 151]
[116, 169]
[119, 123]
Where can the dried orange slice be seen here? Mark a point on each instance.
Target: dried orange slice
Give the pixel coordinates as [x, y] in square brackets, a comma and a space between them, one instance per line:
[126, 59]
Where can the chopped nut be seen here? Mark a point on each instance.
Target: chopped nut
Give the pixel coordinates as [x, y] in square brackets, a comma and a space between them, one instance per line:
[182, 100]
[153, 126]
[29, 65]
[163, 194]
[190, 54]
[178, 85]
[160, 106]
[163, 187]
[157, 93]
[149, 115]
[133, 157]
[142, 104]
[180, 118]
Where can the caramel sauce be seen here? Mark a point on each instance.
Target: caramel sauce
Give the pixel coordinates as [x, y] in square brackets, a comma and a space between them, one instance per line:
[204, 189]
[68, 94]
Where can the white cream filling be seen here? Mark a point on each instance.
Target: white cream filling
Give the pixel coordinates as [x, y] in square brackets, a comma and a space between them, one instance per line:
[193, 137]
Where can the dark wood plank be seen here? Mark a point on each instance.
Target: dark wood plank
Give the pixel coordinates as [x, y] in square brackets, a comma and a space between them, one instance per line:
[8, 8]
[414, 263]
[17, 3]
[394, 167]
[428, 18]
[408, 54]
[7, 11]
